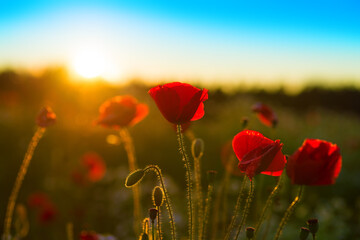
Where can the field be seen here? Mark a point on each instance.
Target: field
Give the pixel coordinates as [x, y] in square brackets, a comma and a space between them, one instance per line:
[105, 205]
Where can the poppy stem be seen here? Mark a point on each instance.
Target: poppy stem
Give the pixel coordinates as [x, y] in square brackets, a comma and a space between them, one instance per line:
[288, 213]
[153, 229]
[19, 179]
[199, 195]
[70, 231]
[188, 179]
[267, 205]
[246, 208]
[130, 151]
[159, 222]
[208, 203]
[237, 208]
[157, 170]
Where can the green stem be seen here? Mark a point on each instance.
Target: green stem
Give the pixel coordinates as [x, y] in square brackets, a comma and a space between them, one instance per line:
[159, 222]
[153, 230]
[267, 205]
[237, 208]
[188, 179]
[70, 231]
[157, 170]
[246, 208]
[207, 210]
[19, 179]
[199, 195]
[288, 213]
[130, 151]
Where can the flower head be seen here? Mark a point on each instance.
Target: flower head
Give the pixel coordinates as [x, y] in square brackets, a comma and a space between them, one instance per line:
[45, 208]
[92, 169]
[316, 162]
[265, 114]
[38, 200]
[179, 102]
[46, 117]
[121, 111]
[258, 154]
[47, 214]
[88, 235]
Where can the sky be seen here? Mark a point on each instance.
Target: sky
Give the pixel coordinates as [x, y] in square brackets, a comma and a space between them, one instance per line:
[254, 42]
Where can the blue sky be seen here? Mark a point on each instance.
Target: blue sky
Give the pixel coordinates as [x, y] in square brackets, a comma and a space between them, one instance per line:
[255, 41]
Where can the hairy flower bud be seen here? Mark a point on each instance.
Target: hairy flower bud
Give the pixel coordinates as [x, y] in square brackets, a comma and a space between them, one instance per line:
[158, 196]
[134, 178]
[211, 176]
[46, 117]
[197, 148]
[244, 122]
[313, 225]
[153, 213]
[250, 232]
[304, 233]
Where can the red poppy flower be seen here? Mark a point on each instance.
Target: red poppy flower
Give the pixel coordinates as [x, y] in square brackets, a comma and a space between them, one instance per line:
[45, 208]
[179, 102]
[47, 214]
[121, 111]
[92, 169]
[265, 114]
[38, 200]
[86, 235]
[258, 154]
[46, 117]
[316, 162]
[95, 166]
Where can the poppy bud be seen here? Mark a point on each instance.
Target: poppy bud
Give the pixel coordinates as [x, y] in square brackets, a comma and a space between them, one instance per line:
[304, 233]
[197, 148]
[250, 232]
[153, 213]
[211, 176]
[158, 196]
[134, 177]
[144, 236]
[46, 117]
[245, 122]
[313, 225]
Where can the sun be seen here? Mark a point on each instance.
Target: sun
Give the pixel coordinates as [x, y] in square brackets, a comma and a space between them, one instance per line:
[91, 63]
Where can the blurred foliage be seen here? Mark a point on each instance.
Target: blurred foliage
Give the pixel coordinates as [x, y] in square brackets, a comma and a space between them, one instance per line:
[106, 206]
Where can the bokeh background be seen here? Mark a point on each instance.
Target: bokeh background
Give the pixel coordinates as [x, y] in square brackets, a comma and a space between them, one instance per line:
[301, 58]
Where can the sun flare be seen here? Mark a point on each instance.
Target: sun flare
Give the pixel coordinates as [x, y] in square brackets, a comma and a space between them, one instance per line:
[90, 63]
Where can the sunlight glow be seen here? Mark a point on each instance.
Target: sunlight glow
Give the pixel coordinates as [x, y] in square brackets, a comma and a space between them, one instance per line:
[91, 63]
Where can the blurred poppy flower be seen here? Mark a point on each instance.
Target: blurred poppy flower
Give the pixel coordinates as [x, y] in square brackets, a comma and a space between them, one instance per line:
[44, 207]
[258, 154]
[121, 111]
[179, 102]
[47, 214]
[92, 169]
[265, 114]
[46, 117]
[38, 200]
[88, 235]
[316, 162]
